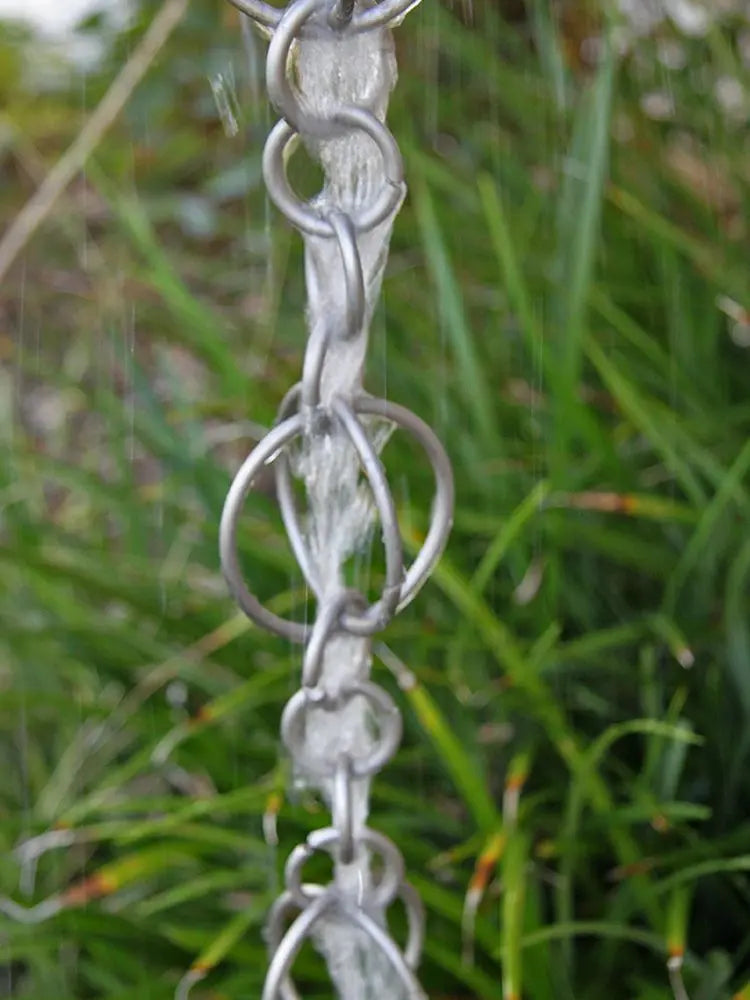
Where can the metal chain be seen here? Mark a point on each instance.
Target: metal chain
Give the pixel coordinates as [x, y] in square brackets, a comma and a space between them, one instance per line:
[309, 415]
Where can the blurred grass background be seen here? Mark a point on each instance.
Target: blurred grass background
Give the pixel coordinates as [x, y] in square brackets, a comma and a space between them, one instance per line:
[566, 302]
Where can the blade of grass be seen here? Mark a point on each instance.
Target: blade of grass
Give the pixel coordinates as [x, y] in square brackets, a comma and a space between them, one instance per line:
[459, 764]
[506, 535]
[472, 377]
[513, 903]
[713, 513]
[580, 206]
[638, 410]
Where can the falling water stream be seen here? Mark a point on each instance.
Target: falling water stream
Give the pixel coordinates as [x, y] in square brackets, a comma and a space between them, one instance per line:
[335, 70]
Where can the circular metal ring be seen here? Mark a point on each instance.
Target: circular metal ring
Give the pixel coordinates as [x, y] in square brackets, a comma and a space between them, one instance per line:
[263, 454]
[283, 948]
[382, 894]
[299, 213]
[381, 612]
[269, 451]
[327, 624]
[386, 712]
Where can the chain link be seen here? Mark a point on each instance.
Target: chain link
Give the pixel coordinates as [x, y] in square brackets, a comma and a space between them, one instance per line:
[383, 13]
[308, 415]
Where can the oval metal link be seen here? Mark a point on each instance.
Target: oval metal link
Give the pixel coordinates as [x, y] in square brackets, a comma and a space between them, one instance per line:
[385, 710]
[354, 293]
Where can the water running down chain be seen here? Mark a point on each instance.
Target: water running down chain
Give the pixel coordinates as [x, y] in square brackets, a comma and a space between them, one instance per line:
[330, 70]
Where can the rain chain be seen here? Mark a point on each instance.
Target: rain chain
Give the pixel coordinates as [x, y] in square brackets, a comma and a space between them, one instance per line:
[329, 72]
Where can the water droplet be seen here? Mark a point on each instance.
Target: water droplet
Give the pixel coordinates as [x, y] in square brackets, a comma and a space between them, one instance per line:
[222, 87]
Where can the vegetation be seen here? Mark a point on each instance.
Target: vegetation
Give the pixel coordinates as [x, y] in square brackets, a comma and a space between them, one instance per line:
[565, 303]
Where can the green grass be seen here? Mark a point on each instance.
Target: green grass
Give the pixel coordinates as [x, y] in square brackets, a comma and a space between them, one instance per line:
[572, 796]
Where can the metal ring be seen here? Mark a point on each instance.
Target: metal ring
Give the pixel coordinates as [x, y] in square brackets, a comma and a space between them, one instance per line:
[382, 893]
[267, 451]
[341, 808]
[299, 213]
[378, 16]
[263, 454]
[284, 947]
[381, 612]
[443, 499]
[354, 287]
[386, 712]
[327, 623]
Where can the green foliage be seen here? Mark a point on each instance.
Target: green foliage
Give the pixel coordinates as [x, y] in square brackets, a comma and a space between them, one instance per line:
[566, 302]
